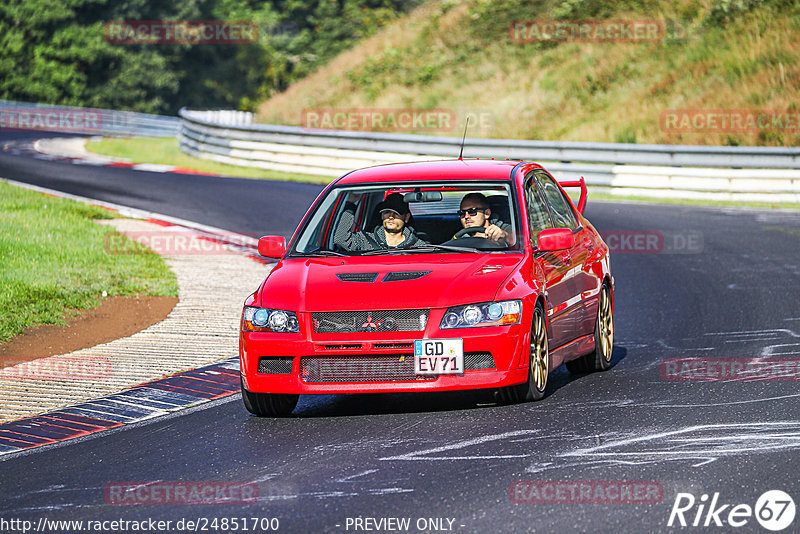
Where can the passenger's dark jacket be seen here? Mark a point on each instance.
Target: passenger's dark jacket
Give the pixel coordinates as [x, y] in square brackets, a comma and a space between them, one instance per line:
[374, 240]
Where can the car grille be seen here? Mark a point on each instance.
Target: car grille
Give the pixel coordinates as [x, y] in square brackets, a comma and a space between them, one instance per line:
[393, 346]
[370, 321]
[275, 365]
[376, 367]
[478, 360]
[361, 368]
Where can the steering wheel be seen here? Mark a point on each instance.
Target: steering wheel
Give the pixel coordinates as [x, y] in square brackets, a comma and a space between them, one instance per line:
[469, 233]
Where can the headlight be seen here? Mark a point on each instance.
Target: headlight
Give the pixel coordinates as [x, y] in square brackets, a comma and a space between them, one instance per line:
[267, 320]
[484, 314]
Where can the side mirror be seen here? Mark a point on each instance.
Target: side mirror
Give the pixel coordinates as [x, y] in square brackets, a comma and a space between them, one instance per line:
[272, 246]
[555, 239]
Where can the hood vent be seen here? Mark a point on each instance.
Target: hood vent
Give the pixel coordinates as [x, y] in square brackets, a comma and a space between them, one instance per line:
[404, 275]
[357, 277]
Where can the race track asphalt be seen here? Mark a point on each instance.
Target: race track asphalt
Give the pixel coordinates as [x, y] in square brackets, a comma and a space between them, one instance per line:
[724, 285]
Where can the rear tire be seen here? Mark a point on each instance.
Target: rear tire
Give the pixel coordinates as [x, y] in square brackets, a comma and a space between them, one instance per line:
[268, 404]
[600, 359]
[538, 365]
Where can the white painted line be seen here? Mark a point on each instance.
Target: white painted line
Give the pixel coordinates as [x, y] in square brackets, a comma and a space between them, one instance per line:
[770, 351]
[153, 167]
[752, 437]
[751, 401]
[351, 477]
[89, 162]
[419, 455]
[756, 333]
[389, 491]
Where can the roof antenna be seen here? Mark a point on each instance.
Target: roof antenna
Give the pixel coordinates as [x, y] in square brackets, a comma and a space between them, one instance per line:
[461, 152]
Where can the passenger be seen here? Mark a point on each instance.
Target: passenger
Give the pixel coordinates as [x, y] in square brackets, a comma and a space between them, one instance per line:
[394, 231]
[475, 212]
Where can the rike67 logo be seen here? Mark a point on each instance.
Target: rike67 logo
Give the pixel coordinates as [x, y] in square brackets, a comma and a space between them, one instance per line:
[774, 510]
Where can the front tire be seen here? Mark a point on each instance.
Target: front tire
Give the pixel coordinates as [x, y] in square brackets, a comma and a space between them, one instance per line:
[268, 404]
[538, 365]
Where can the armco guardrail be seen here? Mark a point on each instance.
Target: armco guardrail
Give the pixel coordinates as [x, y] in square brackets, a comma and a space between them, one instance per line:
[68, 119]
[767, 173]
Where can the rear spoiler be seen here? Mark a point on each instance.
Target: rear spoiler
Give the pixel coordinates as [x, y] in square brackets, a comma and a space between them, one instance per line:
[578, 183]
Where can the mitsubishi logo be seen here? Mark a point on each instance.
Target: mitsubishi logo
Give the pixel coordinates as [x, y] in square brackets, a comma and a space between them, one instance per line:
[370, 324]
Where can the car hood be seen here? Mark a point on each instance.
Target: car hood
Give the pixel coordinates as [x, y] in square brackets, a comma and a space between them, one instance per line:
[436, 281]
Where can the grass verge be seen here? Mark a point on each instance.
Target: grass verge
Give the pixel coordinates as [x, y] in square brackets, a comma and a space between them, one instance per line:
[53, 262]
[165, 151]
[468, 58]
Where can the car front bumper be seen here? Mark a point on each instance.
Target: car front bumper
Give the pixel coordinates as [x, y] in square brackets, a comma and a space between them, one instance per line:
[385, 351]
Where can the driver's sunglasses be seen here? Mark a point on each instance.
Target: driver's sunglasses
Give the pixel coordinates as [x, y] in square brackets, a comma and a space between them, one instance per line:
[472, 212]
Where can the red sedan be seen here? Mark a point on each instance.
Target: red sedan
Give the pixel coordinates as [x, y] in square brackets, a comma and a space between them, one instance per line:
[433, 276]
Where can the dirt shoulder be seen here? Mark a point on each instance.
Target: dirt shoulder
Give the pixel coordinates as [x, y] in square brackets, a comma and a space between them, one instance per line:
[114, 318]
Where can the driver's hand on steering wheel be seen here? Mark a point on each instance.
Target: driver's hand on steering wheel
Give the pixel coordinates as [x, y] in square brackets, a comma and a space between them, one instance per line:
[493, 232]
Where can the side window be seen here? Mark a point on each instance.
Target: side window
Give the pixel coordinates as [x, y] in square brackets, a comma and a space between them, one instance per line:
[562, 214]
[538, 219]
[318, 226]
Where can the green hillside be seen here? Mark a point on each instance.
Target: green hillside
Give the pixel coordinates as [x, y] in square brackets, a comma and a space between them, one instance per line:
[74, 52]
[726, 58]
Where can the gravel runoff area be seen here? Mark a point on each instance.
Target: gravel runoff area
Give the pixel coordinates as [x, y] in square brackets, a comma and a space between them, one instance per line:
[201, 329]
[72, 147]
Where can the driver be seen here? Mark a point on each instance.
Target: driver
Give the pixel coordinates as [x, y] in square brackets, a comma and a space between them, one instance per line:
[475, 212]
[394, 231]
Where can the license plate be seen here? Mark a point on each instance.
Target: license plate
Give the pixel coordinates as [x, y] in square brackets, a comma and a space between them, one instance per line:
[439, 356]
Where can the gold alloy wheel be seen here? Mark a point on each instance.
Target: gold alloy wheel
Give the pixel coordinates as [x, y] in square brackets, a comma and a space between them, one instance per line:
[539, 351]
[606, 324]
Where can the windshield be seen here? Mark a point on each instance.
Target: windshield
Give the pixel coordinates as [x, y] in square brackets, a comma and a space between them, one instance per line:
[412, 218]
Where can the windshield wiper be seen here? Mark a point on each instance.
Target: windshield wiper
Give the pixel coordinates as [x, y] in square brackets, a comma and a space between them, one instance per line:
[319, 253]
[381, 251]
[425, 248]
[449, 248]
